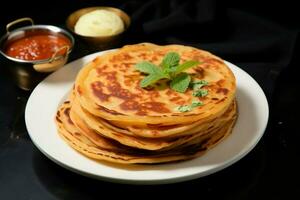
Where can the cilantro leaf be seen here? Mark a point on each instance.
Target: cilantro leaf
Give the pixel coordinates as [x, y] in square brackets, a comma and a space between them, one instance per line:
[200, 93]
[184, 108]
[181, 82]
[196, 104]
[186, 65]
[170, 60]
[199, 84]
[187, 108]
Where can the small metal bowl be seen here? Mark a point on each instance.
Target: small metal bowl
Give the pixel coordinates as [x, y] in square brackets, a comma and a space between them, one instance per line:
[99, 42]
[27, 74]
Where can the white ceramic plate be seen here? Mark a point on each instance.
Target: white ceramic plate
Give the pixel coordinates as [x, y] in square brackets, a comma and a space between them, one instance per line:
[50, 93]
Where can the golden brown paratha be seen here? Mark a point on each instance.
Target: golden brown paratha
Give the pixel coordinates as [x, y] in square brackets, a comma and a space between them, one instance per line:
[108, 87]
[110, 117]
[109, 150]
[142, 142]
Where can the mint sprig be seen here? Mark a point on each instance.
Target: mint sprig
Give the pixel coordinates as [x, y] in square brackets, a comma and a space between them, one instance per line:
[170, 69]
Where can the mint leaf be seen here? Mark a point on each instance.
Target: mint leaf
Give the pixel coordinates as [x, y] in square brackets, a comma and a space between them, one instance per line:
[184, 108]
[187, 108]
[196, 104]
[199, 84]
[200, 93]
[150, 79]
[181, 82]
[186, 65]
[155, 73]
[170, 60]
[148, 68]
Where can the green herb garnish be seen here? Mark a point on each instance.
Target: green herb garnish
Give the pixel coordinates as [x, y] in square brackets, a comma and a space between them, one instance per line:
[199, 84]
[181, 82]
[170, 69]
[196, 104]
[186, 108]
[197, 91]
[155, 73]
[200, 93]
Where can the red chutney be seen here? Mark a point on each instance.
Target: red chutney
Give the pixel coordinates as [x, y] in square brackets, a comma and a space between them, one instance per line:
[37, 47]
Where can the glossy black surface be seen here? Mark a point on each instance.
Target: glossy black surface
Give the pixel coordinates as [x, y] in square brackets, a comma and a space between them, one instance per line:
[270, 171]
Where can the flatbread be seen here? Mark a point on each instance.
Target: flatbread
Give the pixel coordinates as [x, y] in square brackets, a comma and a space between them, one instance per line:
[108, 116]
[110, 151]
[132, 140]
[108, 87]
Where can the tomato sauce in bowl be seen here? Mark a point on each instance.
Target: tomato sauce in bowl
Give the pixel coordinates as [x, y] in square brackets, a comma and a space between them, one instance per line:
[37, 47]
[33, 52]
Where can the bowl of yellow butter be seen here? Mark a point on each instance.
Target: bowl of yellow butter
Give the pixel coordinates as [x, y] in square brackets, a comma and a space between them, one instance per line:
[100, 27]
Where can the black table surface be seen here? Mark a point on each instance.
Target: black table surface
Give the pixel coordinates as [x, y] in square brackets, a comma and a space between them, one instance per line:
[270, 170]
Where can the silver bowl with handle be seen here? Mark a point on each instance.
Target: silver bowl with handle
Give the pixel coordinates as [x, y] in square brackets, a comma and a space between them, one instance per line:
[28, 73]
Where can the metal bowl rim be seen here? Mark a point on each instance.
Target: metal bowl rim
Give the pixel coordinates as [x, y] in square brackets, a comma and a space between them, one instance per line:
[32, 27]
[71, 28]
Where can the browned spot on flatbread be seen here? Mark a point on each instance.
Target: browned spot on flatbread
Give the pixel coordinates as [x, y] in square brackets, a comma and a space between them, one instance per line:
[199, 70]
[67, 114]
[171, 93]
[108, 110]
[156, 106]
[221, 100]
[214, 62]
[160, 127]
[128, 65]
[58, 119]
[120, 57]
[114, 88]
[220, 82]
[129, 105]
[77, 134]
[223, 90]
[96, 60]
[175, 99]
[129, 80]
[154, 58]
[101, 69]
[79, 90]
[144, 107]
[97, 88]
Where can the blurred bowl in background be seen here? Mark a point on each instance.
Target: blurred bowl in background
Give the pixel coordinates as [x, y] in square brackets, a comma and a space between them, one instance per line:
[98, 42]
[34, 51]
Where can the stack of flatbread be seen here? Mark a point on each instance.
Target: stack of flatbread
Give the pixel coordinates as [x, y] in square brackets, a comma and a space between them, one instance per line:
[108, 116]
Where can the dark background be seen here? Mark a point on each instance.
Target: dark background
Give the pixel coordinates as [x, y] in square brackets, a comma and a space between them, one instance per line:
[260, 36]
